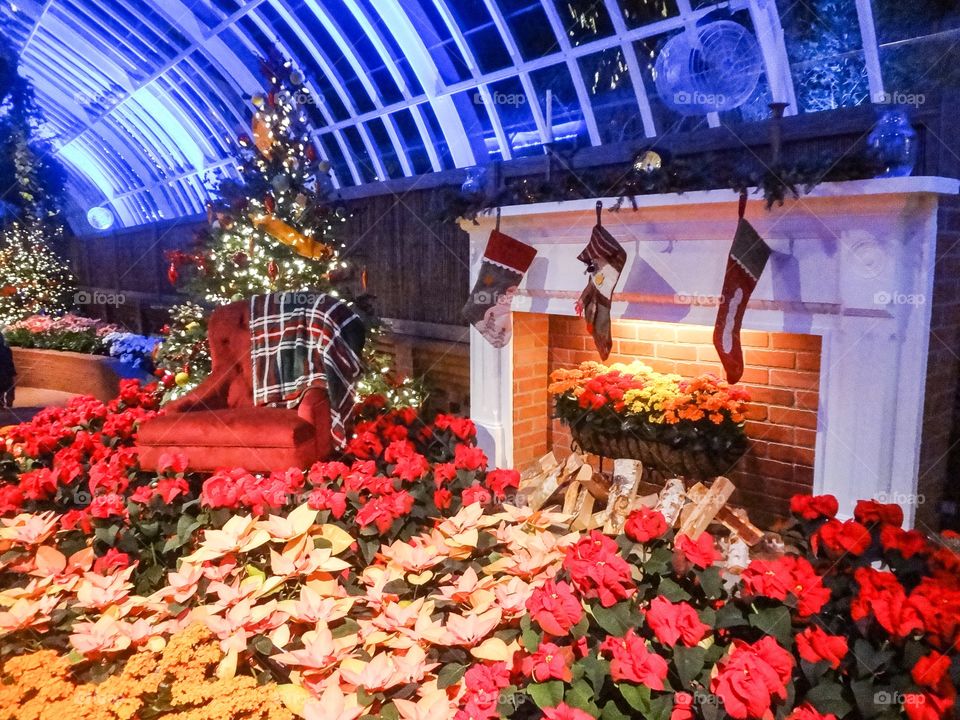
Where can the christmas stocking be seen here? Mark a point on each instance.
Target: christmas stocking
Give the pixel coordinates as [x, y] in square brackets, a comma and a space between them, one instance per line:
[605, 258]
[488, 308]
[746, 261]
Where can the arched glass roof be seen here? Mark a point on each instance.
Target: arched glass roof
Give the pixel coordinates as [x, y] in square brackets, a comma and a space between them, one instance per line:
[145, 99]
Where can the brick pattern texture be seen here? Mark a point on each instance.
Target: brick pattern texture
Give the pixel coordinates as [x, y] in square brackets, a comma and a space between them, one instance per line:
[782, 374]
[940, 445]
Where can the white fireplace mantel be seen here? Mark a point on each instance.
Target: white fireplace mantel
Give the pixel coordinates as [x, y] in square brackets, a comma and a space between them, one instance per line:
[853, 262]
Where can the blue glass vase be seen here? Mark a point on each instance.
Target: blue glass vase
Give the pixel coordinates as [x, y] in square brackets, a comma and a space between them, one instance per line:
[893, 144]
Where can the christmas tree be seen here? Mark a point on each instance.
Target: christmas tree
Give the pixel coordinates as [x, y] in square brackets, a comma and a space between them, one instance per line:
[271, 230]
[33, 277]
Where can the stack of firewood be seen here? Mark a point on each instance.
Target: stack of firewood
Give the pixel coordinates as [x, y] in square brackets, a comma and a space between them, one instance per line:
[595, 500]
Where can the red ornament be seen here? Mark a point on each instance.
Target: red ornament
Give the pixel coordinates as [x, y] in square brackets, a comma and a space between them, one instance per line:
[244, 139]
[311, 152]
[273, 270]
[270, 204]
[240, 258]
[172, 274]
[271, 99]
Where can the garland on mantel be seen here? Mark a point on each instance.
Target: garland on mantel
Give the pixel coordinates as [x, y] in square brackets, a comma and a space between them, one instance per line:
[707, 171]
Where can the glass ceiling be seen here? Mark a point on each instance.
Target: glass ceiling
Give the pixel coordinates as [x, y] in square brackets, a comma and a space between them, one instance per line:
[145, 99]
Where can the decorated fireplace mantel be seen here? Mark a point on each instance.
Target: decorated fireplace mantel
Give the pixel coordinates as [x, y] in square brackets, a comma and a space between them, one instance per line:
[853, 263]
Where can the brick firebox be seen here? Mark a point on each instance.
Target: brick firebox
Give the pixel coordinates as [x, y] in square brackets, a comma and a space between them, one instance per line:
[782, 374]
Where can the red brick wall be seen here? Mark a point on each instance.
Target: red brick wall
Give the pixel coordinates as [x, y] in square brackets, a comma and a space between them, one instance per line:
[782, 373]
[940, 445]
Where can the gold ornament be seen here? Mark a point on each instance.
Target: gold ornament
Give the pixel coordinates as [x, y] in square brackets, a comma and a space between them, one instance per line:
[648, 162]
[181, 378]
[258, 100]
[279, 230]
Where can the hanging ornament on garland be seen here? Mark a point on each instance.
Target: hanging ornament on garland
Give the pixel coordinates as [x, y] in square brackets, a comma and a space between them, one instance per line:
[311, 152]
[257, 100]
[270, 204]
[288, 235]
[172, 274]
[273, 270]
[240, 259]
[8, 291]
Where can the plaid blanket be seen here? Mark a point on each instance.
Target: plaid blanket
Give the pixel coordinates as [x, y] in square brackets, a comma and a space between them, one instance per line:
[304, 340]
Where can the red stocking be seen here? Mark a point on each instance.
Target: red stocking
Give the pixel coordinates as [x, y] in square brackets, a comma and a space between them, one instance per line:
[745, 264]
[605, 258]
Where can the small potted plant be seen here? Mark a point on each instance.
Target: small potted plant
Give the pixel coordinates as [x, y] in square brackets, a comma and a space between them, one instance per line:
[691, 427]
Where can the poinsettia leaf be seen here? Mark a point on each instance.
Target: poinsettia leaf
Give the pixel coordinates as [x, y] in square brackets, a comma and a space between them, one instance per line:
[595, 670]
[389, 712]
[347, 627]
[450, 675]
[827, 697]
[612, 712]
[870, 659]
[580, 695]
[671, 590]
[774, 621]
[711, 582]
[659, 561]
[546, 694]
[529, 637]
[814, 671]
[637, 696]
[730, 616]
[580, 629]
[866, 697]
[616, 620]
[107, 535]
[689, 662]
[660, 708]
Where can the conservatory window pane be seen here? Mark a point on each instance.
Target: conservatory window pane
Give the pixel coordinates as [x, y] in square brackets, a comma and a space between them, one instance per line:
[756, 107]
[607, 78]
[481, 34]
[584, 20]
[568, 124]
[360, 155]
[388, 155]
[825, 53]
[435, 35]
[637, 13]
[530, 28]
[338, 163]
[511, 105]
[476, 122]
[412, 141]
[439, 140]
[399, 59]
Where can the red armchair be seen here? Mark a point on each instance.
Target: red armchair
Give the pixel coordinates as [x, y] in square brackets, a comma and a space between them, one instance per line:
[217, 424]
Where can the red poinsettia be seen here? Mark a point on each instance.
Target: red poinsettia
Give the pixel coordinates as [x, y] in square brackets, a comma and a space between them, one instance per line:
[645, 524]
[682, 707]
[815, 645]
[906, 542]
[814, 507]
[701, 552]
[882, 597]
[752, 678]
[841, 538]
[555, 608]
[871, 511]
[565, 712]
[500, 482]
[632, 661]
[673, 622]
[549, 662]
[809, 712]
[788, 576]
[598, 571]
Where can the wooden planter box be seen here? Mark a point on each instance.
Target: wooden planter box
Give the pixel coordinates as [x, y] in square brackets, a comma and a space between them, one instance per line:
[72, 372]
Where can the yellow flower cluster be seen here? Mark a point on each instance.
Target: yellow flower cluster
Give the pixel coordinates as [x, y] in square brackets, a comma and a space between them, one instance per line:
[180, 682]
[650, 400]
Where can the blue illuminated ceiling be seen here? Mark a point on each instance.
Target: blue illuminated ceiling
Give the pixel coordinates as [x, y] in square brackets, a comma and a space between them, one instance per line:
[145, 99]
